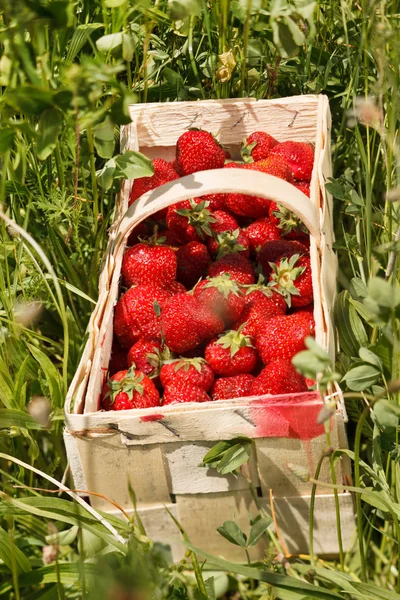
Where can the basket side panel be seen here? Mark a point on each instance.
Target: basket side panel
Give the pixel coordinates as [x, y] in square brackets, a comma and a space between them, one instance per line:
[108, 467]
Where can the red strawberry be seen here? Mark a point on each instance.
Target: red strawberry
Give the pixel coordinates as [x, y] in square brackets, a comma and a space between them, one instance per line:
[283, 336]
[261, 305]
[118, 359]
[262, 231]
[129, 389]
[223, 221]
[289, 224]
[221, 295]
[144, 264]
[303, 186]
[273, 165]
[163, 173]
[236, 265]
[189, 370]
[229, 242]
[180, 391]
[272, 251]
[231, 354]
[238, 386]
[146, 355]
[135, 314]
[186, 323]
[141, 231]
[234, 165]
[215, 201]
[247, 206]
[189, 220]
[278, 377]
[197, 150]
[175, 288]
[257, 146]
[193, 260]
[298, 155]
[293, 279]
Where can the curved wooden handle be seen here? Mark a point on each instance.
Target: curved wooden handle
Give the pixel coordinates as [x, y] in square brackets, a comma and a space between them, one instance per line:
[241, 181]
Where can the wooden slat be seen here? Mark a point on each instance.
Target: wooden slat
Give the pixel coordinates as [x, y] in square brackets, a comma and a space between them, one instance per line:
[108, 466]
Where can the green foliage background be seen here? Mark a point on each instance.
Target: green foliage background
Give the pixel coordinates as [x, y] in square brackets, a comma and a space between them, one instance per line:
[68, 71]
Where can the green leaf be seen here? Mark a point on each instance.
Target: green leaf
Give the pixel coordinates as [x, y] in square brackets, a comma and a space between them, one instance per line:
[48, 128]
[217, 452]
[103, 137]
[132, 165]
[257, 530]
[374, 592]
[79, 38]
[361, 378]
[105, 176]
[385, 414]
[210, 588]
[6, 139]
[68, 574]
[358, 287]
[110, 42]
[128, 47]
[114, 3]
[17, 418]
[8, 551]
[29, 100]
[51, 374]
[350, 328]
[371, 358]
[234, 458]
[232, 532]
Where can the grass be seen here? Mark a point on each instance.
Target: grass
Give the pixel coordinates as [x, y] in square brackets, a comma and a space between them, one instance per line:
[67, 72]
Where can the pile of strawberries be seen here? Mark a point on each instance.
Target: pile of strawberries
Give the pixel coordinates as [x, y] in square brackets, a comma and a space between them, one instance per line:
[217, 294]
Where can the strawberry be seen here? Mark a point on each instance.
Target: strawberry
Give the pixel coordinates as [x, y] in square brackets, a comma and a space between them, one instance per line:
[229, 242]
[118, 359]
[135, 314]
[273, 165]
[303, 186]
[181, 391]
[215, 201]
[238, 386]
[140, 232]
[289, 224]
[129, 389]
[278, 377]
[221, 295]
[223, 221]
[176, 287]
[298, 155]
[273, 250]
[146, 355]
[232, 353]
[283, 336]
[186, 323]
[261, 305]
[247, 206]
[234, 165]
[236, 265]
[194, 371]
[193, 260]
[190, 220]
[257, 146]
[197, 150]
[261, 231]
[163, 173]
[145, 264]
[293, 279]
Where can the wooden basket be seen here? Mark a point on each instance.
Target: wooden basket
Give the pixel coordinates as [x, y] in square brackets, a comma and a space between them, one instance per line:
[160, 449]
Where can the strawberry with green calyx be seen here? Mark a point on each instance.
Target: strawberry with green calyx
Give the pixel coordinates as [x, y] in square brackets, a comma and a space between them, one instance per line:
[190, 220]
[233, 353]
[223, 296]
[181, 391]
[163, 173]
[293, 279]
[261, 231]
[198, 150]
[193, 260]
[129, 389]
[283, 336]
[238, 386]
[229, 242]
[289, 224]
[194, 371]
[149, 263]
[257, 146]
[215, 201]
[148, 356]
[186, 323]
[279, 377]
[298, 155]
[135, 314]
[274, 250]
[236, 265]
[261, 304]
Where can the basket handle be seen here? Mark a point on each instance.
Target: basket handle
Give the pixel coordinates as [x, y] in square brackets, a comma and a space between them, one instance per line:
[241, 181]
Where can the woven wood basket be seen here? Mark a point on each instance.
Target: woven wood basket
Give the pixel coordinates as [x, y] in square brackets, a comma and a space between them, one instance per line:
[159, 449]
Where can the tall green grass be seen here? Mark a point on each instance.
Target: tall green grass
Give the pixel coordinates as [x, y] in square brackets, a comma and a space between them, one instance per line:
[68, 71]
